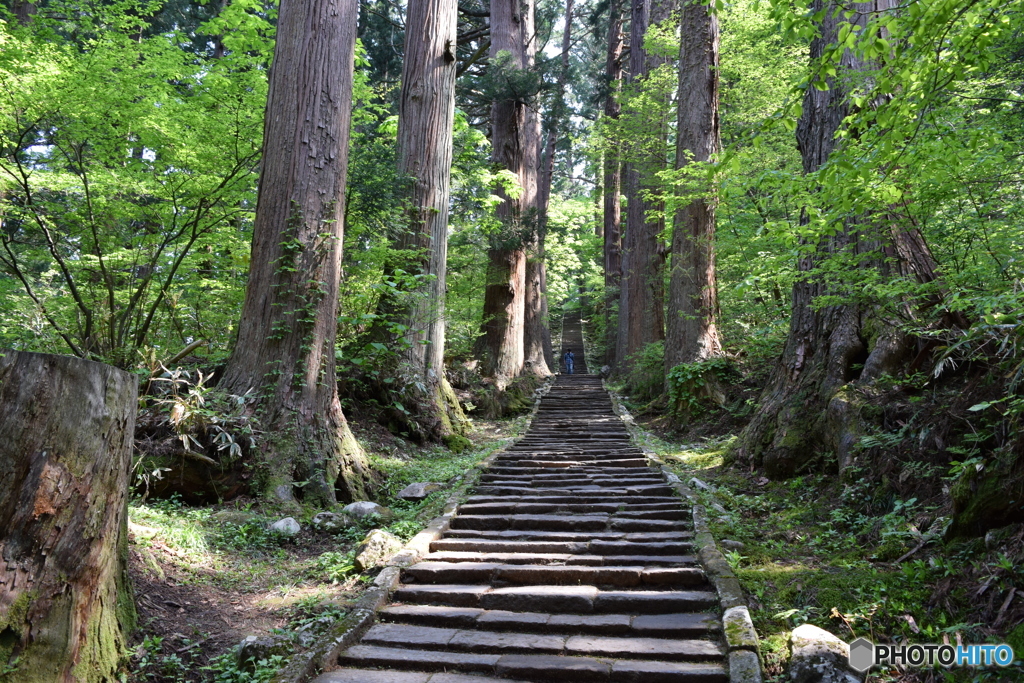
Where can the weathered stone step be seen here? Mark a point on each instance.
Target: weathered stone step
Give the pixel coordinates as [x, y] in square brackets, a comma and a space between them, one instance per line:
[596, 547]
[571, 536]
[599, 497]
[656, 490]
[378, 676]
[561, 558]
[539, 574]
[679, 625]
[557, 599]
[503, 642]
[537, 667]
[634, 510]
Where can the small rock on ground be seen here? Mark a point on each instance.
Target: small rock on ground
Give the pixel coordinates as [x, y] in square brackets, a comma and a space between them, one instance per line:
[819, 657]
[331, 521]
[365, 508]
[252, 649]
[731, 545]
[287, 526]
[377, 548]
[418, 491]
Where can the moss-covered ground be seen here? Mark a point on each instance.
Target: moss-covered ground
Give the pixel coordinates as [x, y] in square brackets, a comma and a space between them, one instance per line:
[826, 550]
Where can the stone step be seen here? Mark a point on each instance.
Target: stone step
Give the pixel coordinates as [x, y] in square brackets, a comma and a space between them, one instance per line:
[557, 599]
[678, 625]
[596, 547]
[378, 676]
[608, 575]
[511, 507]
[535, 667]
[570, 536]
[561, 558]
[503, 642]
[580, 499]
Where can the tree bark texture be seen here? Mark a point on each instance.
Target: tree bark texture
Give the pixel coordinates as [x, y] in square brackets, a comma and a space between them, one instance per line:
[612, 185]
[66, 607]
[285, 346]
[505, 295]
[535, 324]
[642, 319]
[691, 329]
[425, 117]
[792, 424]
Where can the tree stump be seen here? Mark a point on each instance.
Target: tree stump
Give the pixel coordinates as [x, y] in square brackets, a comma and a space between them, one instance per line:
[66, 431]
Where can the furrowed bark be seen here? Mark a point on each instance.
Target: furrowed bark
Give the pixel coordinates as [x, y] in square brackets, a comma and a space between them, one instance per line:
[425, 117]
[66, 606]
[285, 346]
[692, 333]
[504, 312]
[612, 215]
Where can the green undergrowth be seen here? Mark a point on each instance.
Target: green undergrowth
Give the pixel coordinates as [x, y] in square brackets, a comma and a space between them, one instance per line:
[837, 552]
[222, 564]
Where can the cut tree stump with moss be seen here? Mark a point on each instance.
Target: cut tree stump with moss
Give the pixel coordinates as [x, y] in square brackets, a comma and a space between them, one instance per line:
[66, 608]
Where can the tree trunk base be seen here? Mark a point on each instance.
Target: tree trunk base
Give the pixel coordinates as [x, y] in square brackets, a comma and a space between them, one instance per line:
[65, 600]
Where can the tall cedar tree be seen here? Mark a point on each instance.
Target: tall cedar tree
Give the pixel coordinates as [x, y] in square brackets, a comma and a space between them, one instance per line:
[538, 334]
[802, 409]
[285, 346]
[505, 293]
[612, 184]
[642, 294]
[536, 337]
[691, 332]
[425, 117]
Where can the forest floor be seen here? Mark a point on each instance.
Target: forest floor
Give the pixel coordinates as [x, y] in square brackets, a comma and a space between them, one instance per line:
[207, 577]
[814, 550]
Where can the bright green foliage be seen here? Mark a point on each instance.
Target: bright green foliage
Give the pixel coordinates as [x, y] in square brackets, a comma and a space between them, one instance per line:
[126, 180]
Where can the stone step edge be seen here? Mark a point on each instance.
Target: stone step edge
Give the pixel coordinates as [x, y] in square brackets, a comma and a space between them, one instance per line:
[742, 645]
[348, 631]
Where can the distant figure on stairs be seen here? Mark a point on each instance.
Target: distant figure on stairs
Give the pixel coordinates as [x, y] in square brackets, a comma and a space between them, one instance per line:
[570, 360]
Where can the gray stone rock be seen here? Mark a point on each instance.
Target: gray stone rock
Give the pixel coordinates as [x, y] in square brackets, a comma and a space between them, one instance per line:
[287, 526]
[606, 370]
[739, 629]
[253, 649]
[418, 491]
[703, 486]
[365, 508]
[744, 667]
[284, 492]
[332, 522]
[731, 545]
[819, 657]
[717, 507]
[376, 549]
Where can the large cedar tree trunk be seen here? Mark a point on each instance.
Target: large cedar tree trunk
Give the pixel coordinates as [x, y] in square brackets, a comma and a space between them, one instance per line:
[642, 299]
[285, 346]
[425, 116]
[612, 186]
[505, 295]
[691, 331]
[802, 412]
[66, 606]
[535, 325]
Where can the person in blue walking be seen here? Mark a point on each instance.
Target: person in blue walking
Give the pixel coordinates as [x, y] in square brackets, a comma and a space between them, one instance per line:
[570, 361]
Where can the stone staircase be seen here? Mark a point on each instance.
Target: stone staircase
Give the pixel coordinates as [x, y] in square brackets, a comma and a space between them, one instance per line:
[572, 560]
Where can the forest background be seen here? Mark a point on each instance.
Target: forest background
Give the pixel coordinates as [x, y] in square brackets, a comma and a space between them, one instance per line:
[130, 156]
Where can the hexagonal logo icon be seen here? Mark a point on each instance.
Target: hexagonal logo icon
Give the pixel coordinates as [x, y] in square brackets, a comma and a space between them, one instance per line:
[862, 654]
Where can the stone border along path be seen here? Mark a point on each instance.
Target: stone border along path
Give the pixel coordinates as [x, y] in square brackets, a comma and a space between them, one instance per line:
[572, 560]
